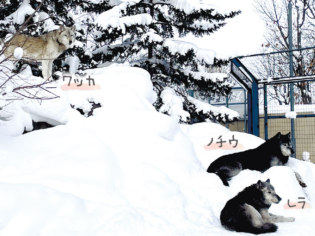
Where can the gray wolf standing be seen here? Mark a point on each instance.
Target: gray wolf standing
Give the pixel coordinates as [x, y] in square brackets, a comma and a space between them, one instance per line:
[248, 210]
[45, 48]
[274, 152]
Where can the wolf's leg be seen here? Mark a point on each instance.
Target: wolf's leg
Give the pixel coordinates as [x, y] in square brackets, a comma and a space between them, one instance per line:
[50, 64]
[255, 217]
[279, 219]
[45, 65]
[300, 180]
[274, 218]
[266, 216]
[257, 223]
[47, 69]
[226, 172]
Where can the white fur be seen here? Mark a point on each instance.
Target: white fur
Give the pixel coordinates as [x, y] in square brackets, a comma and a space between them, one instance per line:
[285, 150]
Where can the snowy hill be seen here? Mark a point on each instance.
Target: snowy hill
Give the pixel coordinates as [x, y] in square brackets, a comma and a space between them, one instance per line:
[140, 174]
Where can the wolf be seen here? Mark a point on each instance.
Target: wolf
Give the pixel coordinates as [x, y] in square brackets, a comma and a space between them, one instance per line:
[274, 152]
[248, 210]
[45, 48]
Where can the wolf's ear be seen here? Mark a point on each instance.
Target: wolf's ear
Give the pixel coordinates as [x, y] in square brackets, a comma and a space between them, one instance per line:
[278, 135]
[73, 28]
[268, 181]
[62, 28]
[288, 135]
[260, 184]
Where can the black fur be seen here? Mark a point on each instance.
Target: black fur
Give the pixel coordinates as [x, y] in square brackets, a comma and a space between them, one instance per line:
[236, 216]
[261, 158]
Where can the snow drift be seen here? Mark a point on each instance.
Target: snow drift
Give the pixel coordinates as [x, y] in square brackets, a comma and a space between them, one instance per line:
[128, 170]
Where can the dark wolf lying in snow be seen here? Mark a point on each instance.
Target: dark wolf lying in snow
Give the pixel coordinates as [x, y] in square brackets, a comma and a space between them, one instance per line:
[248, 210]
[274, 152]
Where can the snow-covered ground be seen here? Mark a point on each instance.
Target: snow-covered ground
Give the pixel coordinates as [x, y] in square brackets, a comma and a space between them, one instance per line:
[127, 170]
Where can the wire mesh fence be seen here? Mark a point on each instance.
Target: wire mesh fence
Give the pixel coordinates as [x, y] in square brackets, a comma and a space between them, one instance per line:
[275, 83]
[279, 116]
[237, 101]
[275, 65]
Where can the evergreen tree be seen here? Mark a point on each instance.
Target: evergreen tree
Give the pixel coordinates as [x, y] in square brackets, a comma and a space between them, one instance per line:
[152, 45]
[144, 33]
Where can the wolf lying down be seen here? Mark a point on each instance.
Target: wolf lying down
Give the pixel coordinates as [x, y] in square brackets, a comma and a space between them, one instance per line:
[248, 210]
[274, 152]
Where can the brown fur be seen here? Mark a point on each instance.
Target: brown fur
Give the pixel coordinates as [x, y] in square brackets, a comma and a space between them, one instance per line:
[45, 48]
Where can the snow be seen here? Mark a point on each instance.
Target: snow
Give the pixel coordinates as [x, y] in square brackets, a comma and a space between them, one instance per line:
[127, 170]
[152, 36]
[182, 47]
[173, 105]
[186, 6]
[19, 15]
[290, 114]
[215, 77]
[140, 19]
[49, 25]
[17, 116]
[18, 53]
[73, 62]
[216, 110]
[275, 108]
[189, 6]
[113, 18]
[306, 156]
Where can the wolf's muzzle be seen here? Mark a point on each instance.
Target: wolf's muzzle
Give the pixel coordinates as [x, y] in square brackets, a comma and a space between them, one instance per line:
[278, 198]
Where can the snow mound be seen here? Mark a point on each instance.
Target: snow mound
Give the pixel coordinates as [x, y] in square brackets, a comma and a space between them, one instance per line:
[129, 170]
[131, 81]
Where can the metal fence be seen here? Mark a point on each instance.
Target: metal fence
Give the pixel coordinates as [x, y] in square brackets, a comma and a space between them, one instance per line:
[276, 115]
[278, 100]
[237, 101]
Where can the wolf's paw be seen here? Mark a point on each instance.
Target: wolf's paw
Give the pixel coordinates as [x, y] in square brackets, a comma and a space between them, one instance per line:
[269, 227]
[290, 219]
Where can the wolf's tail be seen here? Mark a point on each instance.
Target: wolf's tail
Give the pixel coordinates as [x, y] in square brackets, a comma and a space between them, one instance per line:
[221, 173]
[265, 228]
[211, 169]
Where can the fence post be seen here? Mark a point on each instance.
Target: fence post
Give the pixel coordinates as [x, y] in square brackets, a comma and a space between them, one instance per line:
[245, 111]
[227, 105]
[250, 83]
[255, 108]
[291, 72]
[191, 93]
[265, 112]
